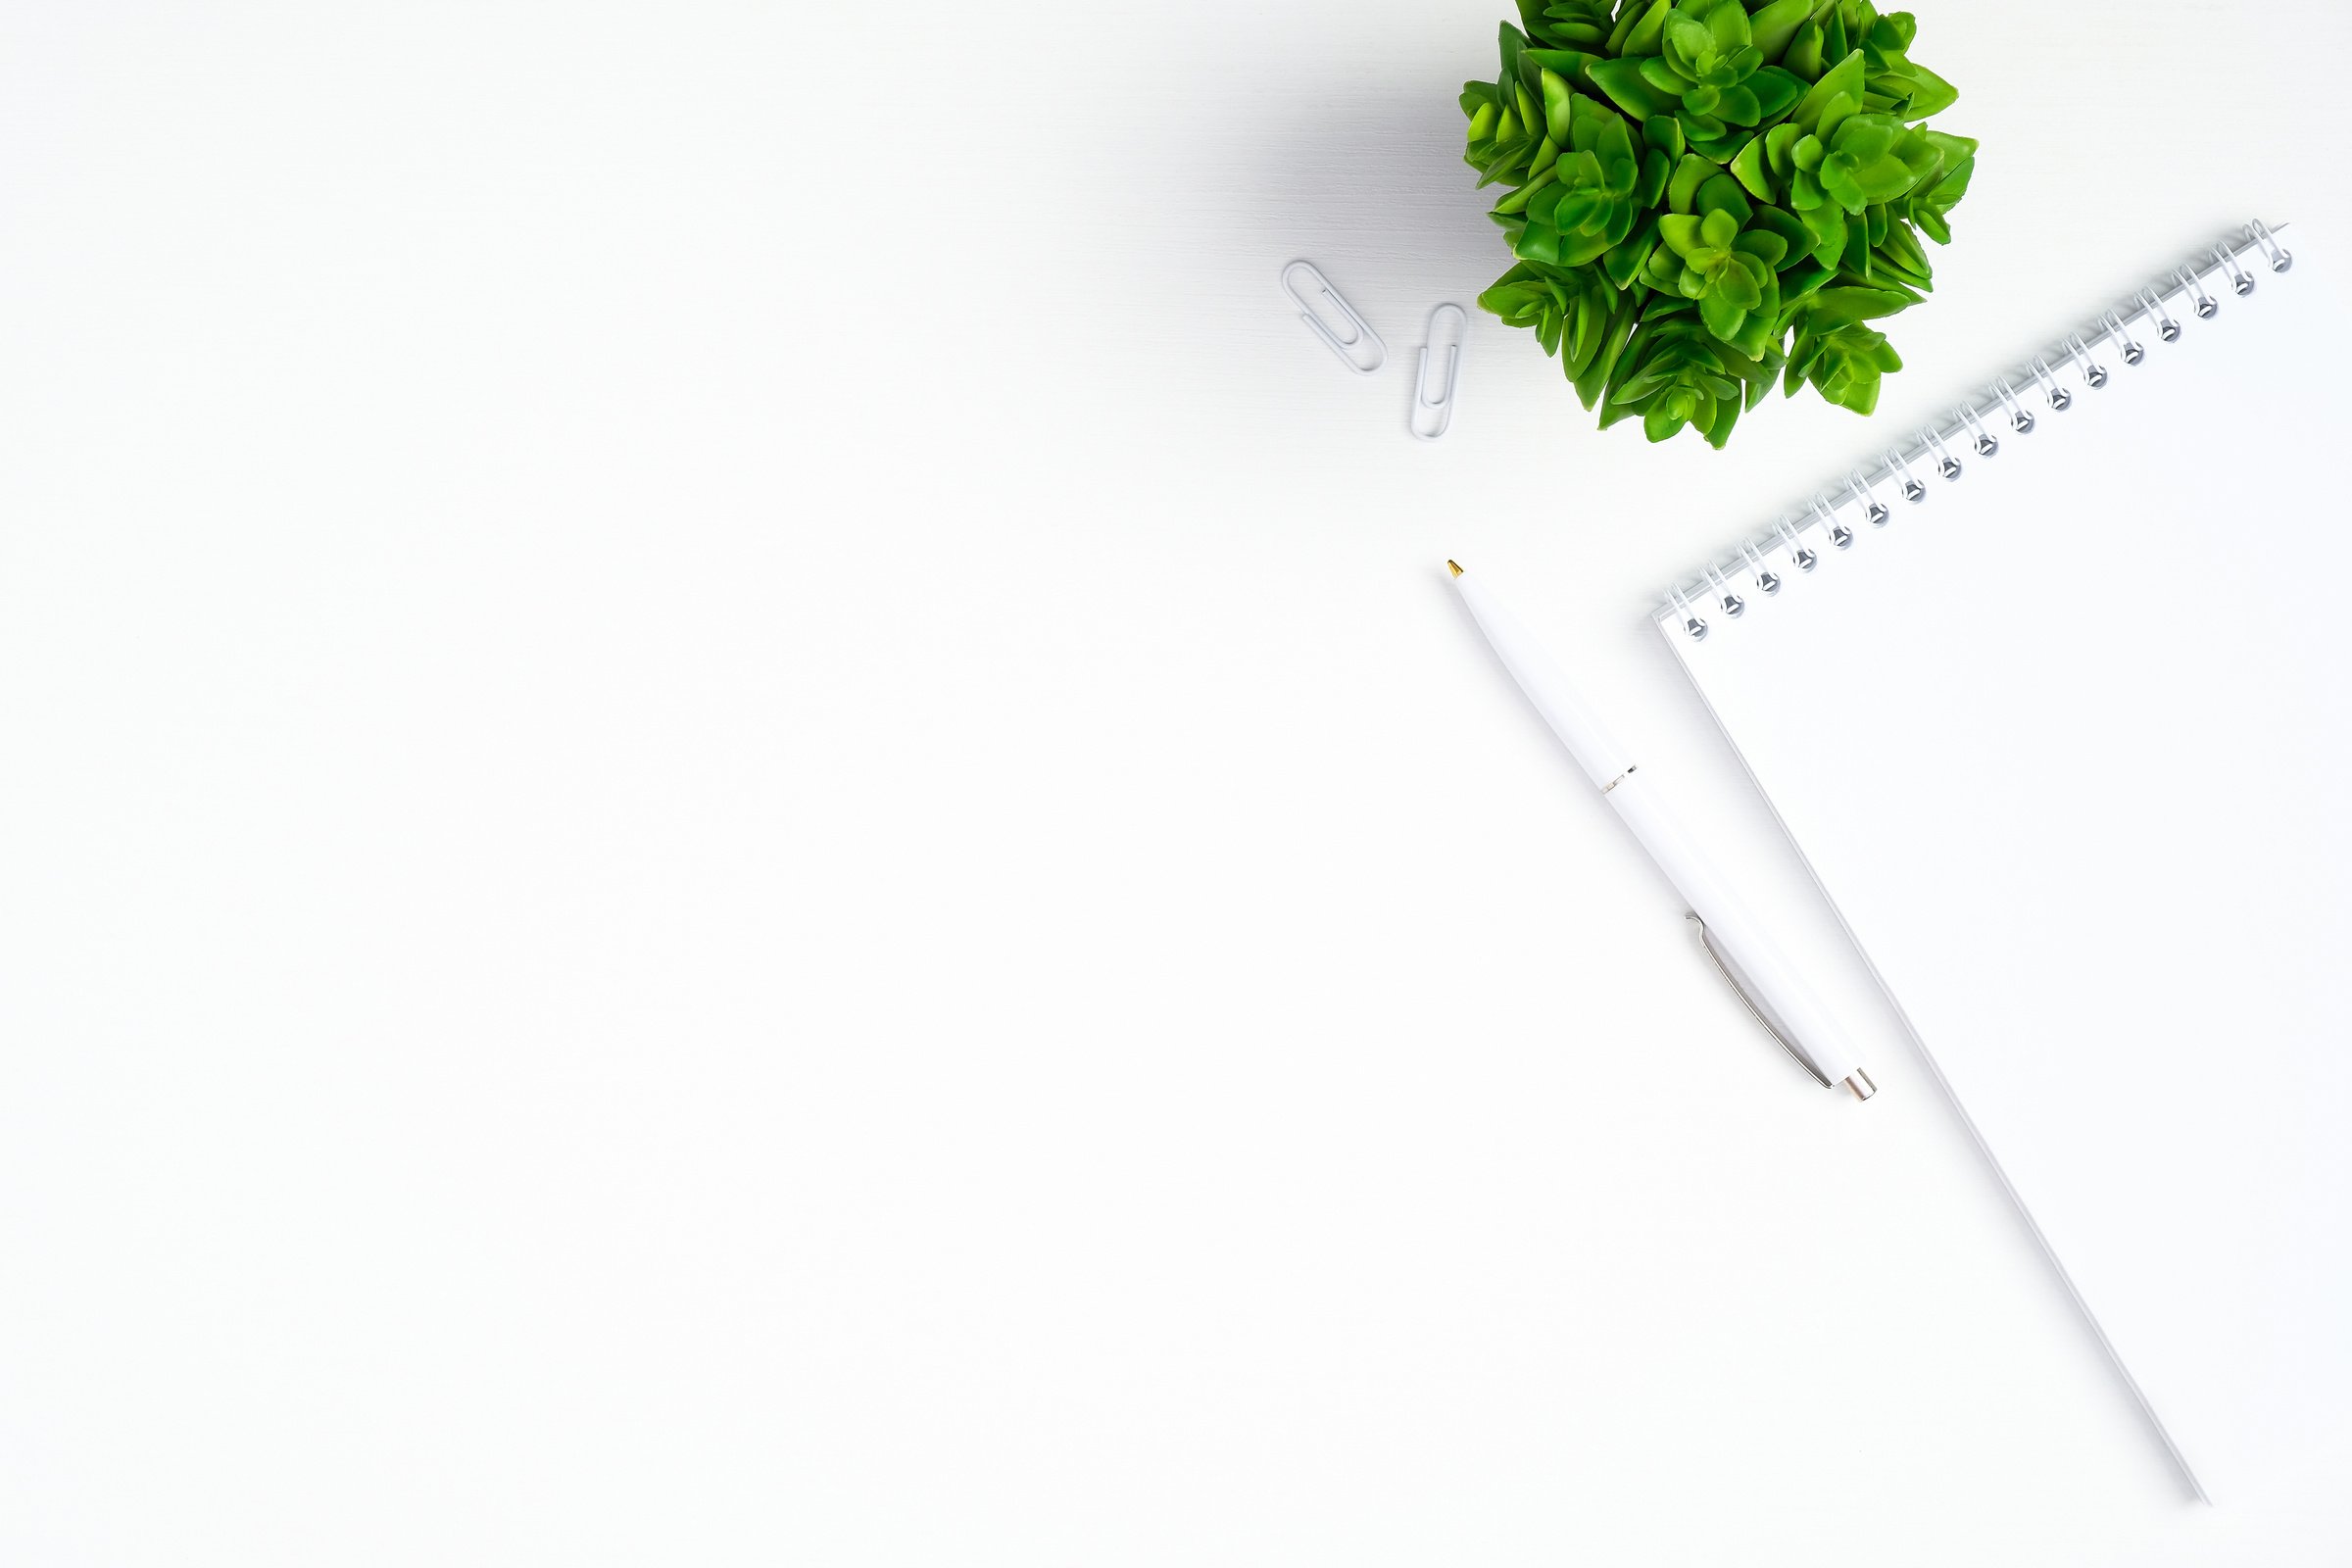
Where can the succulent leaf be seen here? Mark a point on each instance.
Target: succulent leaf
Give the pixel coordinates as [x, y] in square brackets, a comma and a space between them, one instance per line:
[1705, 197]
[1640, 27]
[1776, 25]
[1579, 24]
[1845, 365]
[1675, 374]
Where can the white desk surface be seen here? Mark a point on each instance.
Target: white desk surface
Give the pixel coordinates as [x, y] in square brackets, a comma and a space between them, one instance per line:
[745, 823]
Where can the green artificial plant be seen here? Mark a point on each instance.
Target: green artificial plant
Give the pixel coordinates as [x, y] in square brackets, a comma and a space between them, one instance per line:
[1707, 195]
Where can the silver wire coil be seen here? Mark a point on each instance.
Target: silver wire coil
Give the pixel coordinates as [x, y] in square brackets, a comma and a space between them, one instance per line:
[1764, 561]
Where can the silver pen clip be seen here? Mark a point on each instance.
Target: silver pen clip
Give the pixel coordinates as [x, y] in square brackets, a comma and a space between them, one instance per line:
[1859, 1082]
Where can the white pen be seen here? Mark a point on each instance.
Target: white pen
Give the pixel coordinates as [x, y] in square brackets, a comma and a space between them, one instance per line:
[1782, 1001]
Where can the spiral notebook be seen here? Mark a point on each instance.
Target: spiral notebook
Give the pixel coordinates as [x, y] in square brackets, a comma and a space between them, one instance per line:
[2056, 701]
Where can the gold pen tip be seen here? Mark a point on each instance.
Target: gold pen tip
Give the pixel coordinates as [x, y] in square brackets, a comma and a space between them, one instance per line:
[1454, 566]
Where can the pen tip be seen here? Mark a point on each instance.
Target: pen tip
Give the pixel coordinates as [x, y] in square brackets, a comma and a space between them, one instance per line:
[1454, 566]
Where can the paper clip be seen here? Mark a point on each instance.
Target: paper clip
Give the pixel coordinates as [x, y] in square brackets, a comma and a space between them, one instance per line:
[1433, 417]
[1359, 334]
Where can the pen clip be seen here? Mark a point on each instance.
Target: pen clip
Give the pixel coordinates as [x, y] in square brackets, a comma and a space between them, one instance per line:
[1731, 977]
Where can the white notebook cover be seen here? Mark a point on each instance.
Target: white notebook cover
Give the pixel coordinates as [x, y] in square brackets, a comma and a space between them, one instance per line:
[2069, 744]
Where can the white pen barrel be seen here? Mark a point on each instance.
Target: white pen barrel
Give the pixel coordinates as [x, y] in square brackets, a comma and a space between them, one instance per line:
[1771, 983]
[1776, 985]
[1579, 728]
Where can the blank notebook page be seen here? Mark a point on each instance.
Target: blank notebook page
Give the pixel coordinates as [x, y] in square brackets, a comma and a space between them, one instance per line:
[2069, 744]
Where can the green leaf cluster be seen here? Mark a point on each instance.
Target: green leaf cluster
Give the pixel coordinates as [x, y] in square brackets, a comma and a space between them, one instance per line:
[1704, 196]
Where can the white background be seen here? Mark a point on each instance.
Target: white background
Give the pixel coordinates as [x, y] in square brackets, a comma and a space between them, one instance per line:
[745, 822]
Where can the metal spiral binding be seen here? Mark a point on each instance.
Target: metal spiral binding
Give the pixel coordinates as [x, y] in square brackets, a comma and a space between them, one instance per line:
[1858, 486]
[2278, 256]
[1765, 562]
[1694, 626]
[2019, 420]
[2206, 304]
[2093, 374]
[1733, 605]
[1985, 441]
[2242, 282]
[1945, 463]
[1839, 534]
[1798, 551]
[2059, 398]
[1913, 491]
[2131, 352]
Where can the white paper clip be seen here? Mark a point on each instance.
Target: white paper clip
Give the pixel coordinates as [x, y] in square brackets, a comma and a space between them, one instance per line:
[1433, 417]
[1360, 340]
